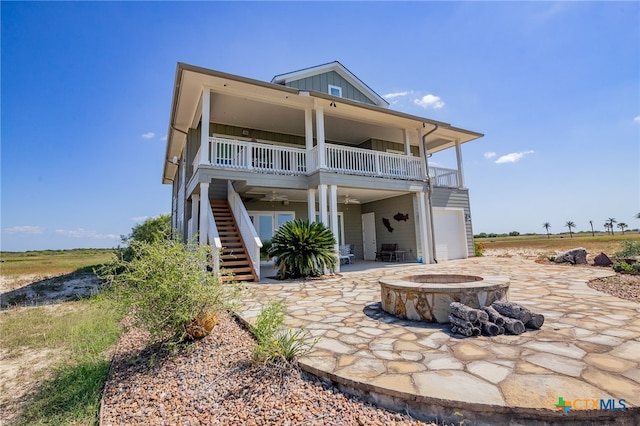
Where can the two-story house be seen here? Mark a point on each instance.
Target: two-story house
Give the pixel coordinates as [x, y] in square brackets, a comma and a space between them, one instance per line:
[245, 156]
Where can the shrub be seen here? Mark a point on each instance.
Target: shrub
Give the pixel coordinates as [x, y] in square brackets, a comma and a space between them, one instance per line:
[629, 249]
[152, 229]
[623, 267]
[302, 249]
[165, 286]
[514, 233]
[478, 249]
[274, 343]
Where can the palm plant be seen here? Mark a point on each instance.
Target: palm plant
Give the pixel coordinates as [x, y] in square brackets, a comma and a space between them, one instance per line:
[638, 217]
[611, 221]
[546, 226]
[303, 249]
[570, 225]
[607, 226]
[622, 225]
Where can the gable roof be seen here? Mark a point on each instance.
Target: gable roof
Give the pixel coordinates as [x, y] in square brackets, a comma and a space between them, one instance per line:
[341, 70]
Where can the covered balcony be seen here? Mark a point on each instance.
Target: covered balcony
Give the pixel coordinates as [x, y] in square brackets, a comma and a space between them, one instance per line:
[239, 155]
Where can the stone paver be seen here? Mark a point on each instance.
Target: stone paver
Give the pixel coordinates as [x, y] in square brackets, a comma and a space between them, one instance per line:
[588, 347]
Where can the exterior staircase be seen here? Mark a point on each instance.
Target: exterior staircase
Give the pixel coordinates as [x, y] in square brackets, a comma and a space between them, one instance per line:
[235, 262]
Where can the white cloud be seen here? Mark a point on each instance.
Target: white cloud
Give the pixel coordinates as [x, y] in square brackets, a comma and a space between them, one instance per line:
[429, 101]
[139, 218]
[148, 135]
[86, 233]
[164, 138]
[512, 157]
[489, 154]
[395, 95]
[636, 118]
[23, 230]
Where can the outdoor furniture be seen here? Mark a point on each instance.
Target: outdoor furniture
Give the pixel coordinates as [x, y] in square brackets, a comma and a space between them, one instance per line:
[399, 254]
[346, 253]
[387, 252]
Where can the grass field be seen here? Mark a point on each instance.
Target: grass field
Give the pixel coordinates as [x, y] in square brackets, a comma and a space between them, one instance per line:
[608, 244]
[60, 350]
[51, 262]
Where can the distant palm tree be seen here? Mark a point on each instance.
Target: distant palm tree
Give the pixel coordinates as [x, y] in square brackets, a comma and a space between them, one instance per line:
[611, 222]
[570, 225]
[622, 225]
[546, 226]
[593, 234]
[607, 226]
[638, 217]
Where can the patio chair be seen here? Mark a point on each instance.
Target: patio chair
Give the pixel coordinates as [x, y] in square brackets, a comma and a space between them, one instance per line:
[346, 253]
[387, 252]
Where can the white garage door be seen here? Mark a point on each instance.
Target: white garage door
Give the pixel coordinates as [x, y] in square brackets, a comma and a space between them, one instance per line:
[451, 238]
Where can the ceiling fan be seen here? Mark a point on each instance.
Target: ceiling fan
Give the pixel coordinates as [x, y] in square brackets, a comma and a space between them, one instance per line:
[274, 197]
[350, 200]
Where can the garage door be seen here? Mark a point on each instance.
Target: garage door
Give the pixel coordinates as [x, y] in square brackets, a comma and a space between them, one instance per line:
[451, 238]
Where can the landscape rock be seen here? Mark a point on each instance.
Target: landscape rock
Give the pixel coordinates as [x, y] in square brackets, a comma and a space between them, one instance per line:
[602, 260]
[577, 256]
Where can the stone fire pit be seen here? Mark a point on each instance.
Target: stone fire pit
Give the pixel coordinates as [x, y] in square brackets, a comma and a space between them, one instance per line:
[427, 297]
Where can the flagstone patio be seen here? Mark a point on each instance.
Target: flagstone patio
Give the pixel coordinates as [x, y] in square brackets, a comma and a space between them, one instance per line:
[587, 349]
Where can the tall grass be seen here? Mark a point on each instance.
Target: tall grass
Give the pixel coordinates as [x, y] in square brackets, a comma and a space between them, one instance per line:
[82, 331]
[52, 262]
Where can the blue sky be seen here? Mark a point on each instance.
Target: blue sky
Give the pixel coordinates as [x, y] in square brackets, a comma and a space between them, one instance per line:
[86, 96]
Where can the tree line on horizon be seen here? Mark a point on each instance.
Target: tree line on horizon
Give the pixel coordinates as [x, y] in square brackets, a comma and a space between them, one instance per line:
[608, 225]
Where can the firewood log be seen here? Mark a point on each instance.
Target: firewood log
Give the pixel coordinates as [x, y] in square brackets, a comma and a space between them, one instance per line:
[513, 325]
[459, 322]
[467, 332]
[536, 321]
[463, 311]
[490, 328]
[513, 310]
[494, 316]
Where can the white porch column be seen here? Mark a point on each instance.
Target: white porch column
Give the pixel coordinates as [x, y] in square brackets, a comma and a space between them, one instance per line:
[204, 220]
[311, 204]
[322, 161]
[407, 142]
[204, 126]
[322, 204]
[195, 204]
[333, 208]
[460, 171]
[308, 136]
[424, 226]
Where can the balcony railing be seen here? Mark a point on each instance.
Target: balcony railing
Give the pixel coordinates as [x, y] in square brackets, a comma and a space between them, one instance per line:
[444, 177]
[253, 156]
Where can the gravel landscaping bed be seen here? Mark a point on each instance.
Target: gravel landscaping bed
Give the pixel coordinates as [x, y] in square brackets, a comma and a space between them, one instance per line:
[215, 382]
[624, 286]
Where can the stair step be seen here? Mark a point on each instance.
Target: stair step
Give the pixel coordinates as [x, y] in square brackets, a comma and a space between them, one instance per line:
[228, 263]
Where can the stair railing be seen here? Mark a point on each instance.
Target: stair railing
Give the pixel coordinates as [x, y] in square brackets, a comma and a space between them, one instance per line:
[214, 238]
[248, 232]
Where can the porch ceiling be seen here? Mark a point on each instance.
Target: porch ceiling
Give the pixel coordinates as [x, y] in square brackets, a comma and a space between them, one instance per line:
[293, 195]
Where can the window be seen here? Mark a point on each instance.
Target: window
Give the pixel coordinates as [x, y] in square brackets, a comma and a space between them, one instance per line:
[266, 223]
[335, 91]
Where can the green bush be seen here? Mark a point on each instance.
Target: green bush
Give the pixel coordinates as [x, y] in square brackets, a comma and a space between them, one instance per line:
[302, 249]
[478, 249]
[276, 344]
[152, 229]
[629, 249]
[166, 285]
[626, 268]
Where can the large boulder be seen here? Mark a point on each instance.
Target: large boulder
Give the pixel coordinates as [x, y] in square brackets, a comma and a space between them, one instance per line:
[602, 260]
[577, 256]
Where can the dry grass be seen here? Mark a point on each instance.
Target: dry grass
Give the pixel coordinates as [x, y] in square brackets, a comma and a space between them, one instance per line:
[51, 262]
[594, 245]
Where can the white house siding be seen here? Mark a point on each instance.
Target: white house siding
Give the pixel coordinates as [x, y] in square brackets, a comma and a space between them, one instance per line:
[404, 233]
[455, 198]
[321, 82]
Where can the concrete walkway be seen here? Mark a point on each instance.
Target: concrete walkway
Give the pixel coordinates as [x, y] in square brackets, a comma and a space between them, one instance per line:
[588, 349]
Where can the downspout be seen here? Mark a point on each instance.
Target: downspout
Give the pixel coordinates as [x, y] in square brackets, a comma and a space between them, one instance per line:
[426, 164]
